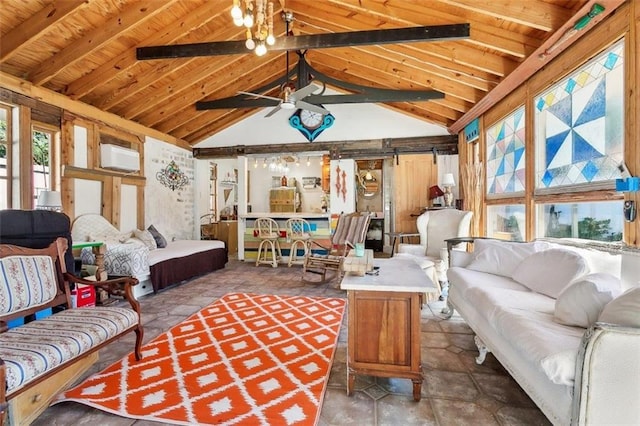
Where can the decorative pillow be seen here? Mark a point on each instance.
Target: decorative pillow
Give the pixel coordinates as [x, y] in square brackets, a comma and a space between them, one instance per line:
[581, 302]
[623, 310]
[549, 271]
[161, 241]
[117, 238]
[501, 257]
[146, 238]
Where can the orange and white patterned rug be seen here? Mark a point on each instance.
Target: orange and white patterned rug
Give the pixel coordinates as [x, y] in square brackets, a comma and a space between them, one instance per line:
[245, 359]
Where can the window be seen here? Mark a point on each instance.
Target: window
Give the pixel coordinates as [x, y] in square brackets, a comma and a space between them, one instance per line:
[506, 155]
[506, 222]
[5, 157]
[580, 124]
[41, 143]
[601, 221]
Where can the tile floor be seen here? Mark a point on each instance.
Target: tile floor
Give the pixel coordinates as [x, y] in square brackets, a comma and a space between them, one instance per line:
[456, 391]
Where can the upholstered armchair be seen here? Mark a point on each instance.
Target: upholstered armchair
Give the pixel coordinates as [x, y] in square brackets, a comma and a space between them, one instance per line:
[434, 227]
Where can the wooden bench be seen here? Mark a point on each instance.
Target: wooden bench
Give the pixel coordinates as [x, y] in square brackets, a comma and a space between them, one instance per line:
[41, 358]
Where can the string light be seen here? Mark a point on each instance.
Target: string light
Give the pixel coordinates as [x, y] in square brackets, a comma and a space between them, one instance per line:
[308, 162]
[255, 164]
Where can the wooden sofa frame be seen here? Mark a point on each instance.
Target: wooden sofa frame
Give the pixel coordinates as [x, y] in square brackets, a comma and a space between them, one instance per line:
[28, 401]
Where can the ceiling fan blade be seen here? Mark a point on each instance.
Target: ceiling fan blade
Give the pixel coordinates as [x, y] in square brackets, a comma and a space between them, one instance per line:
[273, 98]
[304, 92]
[273, 111]
[311, 107]
[311, 41]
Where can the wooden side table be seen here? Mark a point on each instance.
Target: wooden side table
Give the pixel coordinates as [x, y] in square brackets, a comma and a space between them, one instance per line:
[99, 249]
[384, 321]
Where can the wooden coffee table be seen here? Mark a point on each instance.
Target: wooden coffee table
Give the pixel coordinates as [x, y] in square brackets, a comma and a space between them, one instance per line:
[384, 321]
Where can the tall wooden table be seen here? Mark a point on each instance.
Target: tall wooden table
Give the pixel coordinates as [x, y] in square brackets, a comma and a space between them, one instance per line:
[384, 321]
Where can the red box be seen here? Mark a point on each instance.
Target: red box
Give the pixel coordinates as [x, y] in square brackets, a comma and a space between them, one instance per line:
[83, 296]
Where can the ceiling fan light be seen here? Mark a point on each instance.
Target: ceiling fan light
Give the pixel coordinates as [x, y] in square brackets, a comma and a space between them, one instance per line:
[288, 105]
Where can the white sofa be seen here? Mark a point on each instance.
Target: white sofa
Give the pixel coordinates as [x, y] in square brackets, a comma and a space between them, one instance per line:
[584, 373]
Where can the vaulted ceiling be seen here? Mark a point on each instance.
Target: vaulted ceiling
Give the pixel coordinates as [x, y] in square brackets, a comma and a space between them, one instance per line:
[86, 50]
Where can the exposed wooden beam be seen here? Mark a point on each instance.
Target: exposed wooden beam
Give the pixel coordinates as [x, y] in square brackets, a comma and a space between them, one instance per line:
[84, 110]
[537, 14]
[312, 41]
[36, 25]
[346, 149]
[134, 15]
[127, 59]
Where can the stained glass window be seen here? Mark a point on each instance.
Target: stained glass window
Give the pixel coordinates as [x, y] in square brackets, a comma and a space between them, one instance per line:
[506, 154]
[579, 124]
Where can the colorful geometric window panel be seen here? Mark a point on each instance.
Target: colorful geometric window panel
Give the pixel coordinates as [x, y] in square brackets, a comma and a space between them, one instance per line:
[506, 154]
[579, 124]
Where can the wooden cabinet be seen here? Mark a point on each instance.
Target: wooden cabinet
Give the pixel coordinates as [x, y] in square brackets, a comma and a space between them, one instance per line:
[384, 336]
[228, 232]
[283, 200]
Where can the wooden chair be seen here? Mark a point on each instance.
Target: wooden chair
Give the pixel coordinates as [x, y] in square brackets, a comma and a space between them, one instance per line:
[351, 229]
[268, 233]
[299, 233]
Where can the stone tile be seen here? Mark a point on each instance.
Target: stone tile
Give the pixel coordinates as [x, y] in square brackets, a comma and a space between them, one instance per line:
[512, 416]
[456, 413]
[447, 384]
[434, 340]
[398, 386]
[440, 359]
[339, 409]
[399, 410]
[503, 389]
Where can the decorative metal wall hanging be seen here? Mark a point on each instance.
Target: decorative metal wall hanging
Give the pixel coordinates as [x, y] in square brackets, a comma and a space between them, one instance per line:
[172, 177]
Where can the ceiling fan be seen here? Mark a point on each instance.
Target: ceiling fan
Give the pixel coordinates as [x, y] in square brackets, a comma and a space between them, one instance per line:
[291, 98]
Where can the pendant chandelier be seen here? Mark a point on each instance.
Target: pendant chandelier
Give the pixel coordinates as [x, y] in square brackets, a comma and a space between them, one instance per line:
[258, 23]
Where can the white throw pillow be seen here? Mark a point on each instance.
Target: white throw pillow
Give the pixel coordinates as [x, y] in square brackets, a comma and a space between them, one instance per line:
[581, 302]
[146, 238]
[549, 271]
[623, 310]
[501, 257]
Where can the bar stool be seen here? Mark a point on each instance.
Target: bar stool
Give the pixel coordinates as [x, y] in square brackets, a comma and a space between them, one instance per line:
[297, 233]
[268, 233]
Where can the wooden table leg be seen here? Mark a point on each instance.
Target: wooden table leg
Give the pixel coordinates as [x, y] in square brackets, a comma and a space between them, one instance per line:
[101, 274]
[417, 389]
[351, 378]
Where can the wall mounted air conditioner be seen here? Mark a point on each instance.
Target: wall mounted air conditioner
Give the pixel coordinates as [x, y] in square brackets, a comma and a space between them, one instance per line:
[119, 158]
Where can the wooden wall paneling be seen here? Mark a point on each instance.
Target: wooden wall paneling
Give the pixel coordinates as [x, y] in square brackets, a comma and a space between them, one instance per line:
[413, 175]
[116, 201]
[530, 213]
[26, 155]
[93, 153]
[67, 154]
[632, 136]
[107, 198]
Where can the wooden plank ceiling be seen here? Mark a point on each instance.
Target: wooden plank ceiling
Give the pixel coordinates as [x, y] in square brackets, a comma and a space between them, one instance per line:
[85, 49]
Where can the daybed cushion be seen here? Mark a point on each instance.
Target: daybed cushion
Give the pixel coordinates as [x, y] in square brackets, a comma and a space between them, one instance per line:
[500, 257]
[21, 275]
[581, 302]
[146, 238]
[30, 350]
[624, 309]
[549, 271]
[161, 241]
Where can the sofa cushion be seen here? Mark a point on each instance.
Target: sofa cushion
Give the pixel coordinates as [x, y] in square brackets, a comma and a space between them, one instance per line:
[549, 271]
[551, 346]
[581, 302]
[501, 257]
[464, 279]
[623, 310]
[31, 350]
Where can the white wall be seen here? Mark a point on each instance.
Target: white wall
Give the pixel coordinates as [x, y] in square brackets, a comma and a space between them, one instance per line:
[173, 213]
